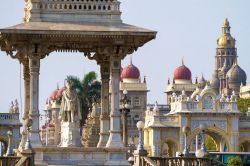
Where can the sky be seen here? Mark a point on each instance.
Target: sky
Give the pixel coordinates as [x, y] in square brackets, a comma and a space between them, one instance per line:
[186, 29]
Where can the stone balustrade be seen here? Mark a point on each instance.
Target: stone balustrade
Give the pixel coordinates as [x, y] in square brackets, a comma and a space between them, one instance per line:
[10, 161]
[9, 118]
[178, 161]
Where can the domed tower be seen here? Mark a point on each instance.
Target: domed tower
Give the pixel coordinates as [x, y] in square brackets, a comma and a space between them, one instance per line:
[182, 81]
[130, 74]
[235, 78]
[182, 75]
[226, 57]
[136, 90]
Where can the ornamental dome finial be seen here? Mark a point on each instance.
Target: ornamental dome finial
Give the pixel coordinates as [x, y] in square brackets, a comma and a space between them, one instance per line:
[226, 23]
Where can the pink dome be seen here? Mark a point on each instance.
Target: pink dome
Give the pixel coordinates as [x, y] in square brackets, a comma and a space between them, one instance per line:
[60, 92]
[43, 126]
[53, 95]
[131, 72]
[182, 73]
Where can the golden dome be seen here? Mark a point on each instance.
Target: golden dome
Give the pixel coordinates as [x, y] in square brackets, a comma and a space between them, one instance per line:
[226, 40]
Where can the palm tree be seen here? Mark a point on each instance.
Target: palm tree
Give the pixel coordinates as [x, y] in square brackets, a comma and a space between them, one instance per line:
[88, 90]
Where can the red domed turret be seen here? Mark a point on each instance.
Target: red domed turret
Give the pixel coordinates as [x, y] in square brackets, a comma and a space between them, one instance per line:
[53, 95]
[44, 126]
[60, 92]
[182, 73]
[130, 72]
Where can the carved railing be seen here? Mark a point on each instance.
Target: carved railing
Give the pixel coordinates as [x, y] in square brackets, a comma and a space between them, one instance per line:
[146, 161]
[9, 161]
[181, 161]
[15, 161]
[25, 161]
[9, 116]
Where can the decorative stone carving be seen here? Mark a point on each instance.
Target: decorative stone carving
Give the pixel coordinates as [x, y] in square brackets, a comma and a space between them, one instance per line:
[210, 123]
[70, 135]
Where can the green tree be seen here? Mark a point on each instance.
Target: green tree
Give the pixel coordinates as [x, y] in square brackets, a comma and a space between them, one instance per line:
[243, 104]
[210, 143]
[88, 90]
[235, 161]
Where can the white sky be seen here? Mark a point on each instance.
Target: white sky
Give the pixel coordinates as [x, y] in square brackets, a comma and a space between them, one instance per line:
[186, 29]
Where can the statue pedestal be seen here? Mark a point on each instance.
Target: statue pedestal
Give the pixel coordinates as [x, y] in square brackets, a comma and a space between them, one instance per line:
[70, 135]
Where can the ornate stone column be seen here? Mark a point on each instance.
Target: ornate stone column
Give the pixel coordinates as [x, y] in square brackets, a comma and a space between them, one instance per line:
[26, 77]
[104, 117]
[34, 65]
[115, 117]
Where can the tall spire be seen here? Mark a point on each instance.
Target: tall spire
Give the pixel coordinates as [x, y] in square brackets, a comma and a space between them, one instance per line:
[131, 60]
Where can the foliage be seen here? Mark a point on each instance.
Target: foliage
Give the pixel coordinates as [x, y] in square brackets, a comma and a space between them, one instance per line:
[243, 104]
[88, 90]
[210, 143]
[235, 161]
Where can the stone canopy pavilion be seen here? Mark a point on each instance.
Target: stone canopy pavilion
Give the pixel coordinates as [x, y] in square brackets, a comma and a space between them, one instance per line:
[93, 28]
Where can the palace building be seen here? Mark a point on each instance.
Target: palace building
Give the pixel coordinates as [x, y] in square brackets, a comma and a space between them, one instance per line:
[228, 76]
[210, 103]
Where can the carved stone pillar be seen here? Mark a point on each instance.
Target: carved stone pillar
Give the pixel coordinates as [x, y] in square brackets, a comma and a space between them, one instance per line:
[115, 117]
[104, 117]
[34, 65]
[26, 77]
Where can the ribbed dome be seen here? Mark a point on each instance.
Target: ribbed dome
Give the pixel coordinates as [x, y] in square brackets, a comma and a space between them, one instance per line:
[236, 75]
[182, 73]
[215, 82]
[226, 41]
[130, 72]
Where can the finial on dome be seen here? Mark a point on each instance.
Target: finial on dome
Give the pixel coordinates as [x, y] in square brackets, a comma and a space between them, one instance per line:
[57, 86]
[131, 60]
[182, 61]
[145, 79]
[168, 80]
[226, 23]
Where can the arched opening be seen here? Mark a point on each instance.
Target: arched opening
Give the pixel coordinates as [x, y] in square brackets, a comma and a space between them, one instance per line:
[215, 140]
[3, 147]
[168, 148]
[245, 146]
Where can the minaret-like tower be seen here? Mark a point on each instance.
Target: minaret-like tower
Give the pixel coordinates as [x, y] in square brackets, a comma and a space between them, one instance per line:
[226, 55]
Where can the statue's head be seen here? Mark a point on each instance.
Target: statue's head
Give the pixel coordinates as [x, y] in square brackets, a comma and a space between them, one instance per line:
[68, 84]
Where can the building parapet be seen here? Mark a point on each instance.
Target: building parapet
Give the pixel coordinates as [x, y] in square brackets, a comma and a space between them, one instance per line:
[9, 119]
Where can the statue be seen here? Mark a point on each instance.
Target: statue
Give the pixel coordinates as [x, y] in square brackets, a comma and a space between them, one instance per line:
[11, 110]
[70, 106]
[70, 116]
[16, 107]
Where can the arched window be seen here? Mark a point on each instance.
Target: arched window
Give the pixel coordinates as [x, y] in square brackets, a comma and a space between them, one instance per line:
[208, 103]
